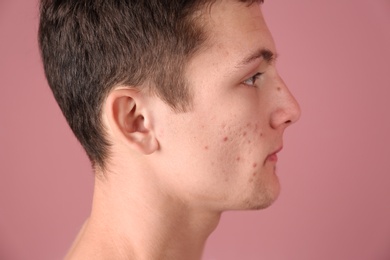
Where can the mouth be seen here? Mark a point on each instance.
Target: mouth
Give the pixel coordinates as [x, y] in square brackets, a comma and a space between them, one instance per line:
[273, 157]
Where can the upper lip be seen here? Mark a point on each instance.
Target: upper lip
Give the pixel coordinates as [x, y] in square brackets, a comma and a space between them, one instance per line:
[277, 150]
[274, 152]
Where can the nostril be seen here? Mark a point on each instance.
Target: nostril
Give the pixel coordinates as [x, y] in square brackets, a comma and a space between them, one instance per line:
[288, 122]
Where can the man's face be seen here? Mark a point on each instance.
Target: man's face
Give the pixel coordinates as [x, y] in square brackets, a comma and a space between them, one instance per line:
[221, 154]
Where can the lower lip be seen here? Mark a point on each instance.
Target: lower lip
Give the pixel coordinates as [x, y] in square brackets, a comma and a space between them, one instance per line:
[273, 158]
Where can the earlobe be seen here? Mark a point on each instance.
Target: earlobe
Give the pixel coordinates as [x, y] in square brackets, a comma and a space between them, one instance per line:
[128, 118]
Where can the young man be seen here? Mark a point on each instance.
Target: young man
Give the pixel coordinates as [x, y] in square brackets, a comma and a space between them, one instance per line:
[180, 108]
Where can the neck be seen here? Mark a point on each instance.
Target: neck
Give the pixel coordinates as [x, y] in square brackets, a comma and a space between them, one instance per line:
[135, 219]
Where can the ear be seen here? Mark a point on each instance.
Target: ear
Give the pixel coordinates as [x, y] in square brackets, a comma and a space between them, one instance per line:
[130, 121]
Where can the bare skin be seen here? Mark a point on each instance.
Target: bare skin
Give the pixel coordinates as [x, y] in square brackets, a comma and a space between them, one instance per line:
[171, 175]
[145, 227]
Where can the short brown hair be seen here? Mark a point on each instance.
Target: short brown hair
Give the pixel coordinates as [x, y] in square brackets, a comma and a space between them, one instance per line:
[90, 46]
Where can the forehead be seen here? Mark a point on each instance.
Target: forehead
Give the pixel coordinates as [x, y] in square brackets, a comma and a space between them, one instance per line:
[234, 31]
[237, 25]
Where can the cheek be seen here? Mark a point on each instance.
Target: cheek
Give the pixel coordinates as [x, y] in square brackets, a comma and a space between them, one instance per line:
[238, 148]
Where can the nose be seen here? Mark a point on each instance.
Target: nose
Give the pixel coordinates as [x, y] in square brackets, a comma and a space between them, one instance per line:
[287, 110]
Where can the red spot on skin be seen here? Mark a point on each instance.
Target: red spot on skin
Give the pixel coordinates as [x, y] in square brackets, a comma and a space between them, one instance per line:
[225, 139]
[248, 125]
[250, 180]
[261, 134]
[238, 158]
[206, 147]
[254, 165]
[279, 89]
[254, 174]
[249, 142]
[244, 134]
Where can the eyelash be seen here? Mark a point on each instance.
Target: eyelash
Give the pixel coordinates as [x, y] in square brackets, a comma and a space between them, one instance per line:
[253, 78]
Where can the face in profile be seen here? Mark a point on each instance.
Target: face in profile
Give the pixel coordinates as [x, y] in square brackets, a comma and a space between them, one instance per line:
[222, 153]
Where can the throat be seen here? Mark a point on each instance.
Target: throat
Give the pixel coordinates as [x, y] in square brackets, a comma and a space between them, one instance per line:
[152, 228]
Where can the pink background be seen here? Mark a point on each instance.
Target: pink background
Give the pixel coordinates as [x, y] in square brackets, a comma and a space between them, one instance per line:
[335, 168]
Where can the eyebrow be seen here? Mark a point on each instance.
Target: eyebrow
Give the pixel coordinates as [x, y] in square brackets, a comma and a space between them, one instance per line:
[266, 54]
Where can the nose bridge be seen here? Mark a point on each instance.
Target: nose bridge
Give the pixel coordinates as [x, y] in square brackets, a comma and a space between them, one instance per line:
[287, 110]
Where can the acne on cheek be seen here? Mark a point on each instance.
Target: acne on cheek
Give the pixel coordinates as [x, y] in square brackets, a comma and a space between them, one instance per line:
[256, 131]
[253, 177]
[243, 134]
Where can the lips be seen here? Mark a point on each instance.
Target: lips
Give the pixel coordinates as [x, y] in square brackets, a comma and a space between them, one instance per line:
[273, 157]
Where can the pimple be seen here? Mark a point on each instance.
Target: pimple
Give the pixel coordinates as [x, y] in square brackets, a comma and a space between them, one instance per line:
[261, 134]
[161, 133]
[254, 165]
[206, 147]
[279, 89]
[254, 174]
[225, 139]
[244, 134]
[249, 141]
[238, 159]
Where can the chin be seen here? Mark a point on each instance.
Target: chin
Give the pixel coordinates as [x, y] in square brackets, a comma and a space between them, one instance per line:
[263, 205]
[256, 201]
[263, 199]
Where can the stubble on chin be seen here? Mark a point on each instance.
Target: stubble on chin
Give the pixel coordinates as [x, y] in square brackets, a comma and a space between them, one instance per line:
[264, 196]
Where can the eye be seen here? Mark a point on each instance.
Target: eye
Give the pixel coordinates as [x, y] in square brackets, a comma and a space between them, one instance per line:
[252, 80]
